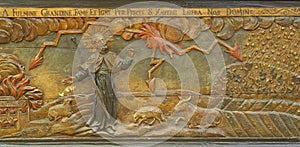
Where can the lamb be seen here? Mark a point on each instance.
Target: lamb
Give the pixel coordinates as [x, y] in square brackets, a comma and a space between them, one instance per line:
[61, 110]
[67, 91]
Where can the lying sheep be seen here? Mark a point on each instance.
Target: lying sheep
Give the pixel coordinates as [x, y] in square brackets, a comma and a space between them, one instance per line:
[197, 117]
[148, 115]
[61, 110]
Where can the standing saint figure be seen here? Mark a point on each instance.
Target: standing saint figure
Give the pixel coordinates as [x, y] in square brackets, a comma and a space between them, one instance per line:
[99, 67]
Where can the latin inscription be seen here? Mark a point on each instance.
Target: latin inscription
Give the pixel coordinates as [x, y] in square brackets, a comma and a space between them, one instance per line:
[136, 12]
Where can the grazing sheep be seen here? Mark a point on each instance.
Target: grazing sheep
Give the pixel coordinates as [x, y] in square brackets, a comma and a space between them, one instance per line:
[148, 115]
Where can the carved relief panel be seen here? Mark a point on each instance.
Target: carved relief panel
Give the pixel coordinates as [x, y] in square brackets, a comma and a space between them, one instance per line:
[90, 73]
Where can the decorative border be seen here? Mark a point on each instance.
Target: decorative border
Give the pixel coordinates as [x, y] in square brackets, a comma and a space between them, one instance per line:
[147, 12]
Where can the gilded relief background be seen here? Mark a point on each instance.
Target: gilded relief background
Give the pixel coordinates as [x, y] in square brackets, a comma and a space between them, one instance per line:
[185, 76]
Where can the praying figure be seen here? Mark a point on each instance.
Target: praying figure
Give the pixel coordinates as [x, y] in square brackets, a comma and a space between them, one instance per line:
[100, 66]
